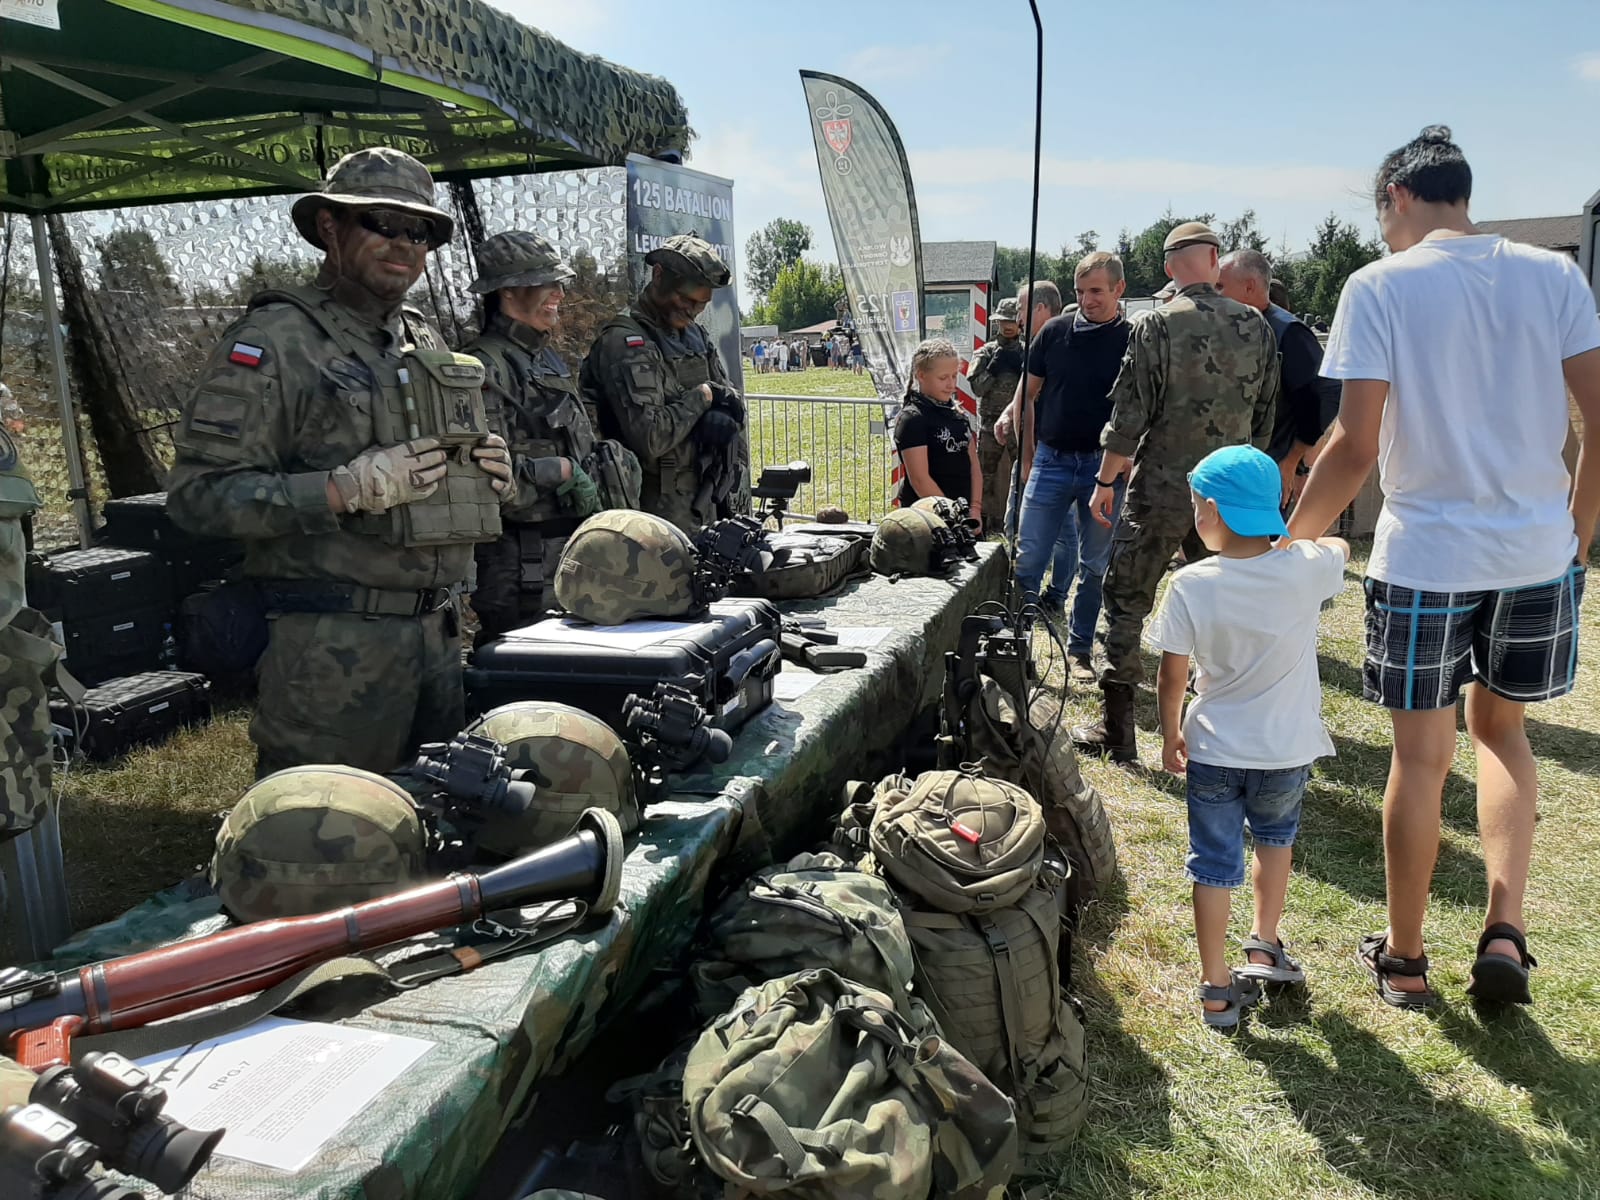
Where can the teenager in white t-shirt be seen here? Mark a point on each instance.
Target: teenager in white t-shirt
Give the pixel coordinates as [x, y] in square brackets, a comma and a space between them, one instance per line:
[1248, 618]
[1456, 355]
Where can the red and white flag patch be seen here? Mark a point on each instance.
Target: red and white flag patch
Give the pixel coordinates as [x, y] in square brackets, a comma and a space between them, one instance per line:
[635, 342]
[246, 355]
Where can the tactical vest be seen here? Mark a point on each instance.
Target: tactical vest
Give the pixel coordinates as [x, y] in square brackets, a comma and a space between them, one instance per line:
[999, 384]
[28, 657]
[672, 481]
[426, 392]
[537, 408]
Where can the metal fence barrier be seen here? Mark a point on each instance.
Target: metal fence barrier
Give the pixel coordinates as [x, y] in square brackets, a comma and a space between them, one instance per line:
[844, 438]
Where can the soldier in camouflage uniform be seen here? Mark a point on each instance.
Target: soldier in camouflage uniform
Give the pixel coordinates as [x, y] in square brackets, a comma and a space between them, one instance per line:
[532, 400]
[302, 440]
[1200, 373]
[660, 388]
[994, 374]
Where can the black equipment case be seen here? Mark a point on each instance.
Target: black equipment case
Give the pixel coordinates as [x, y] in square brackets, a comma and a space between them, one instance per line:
[142, 522]
[728, 658]
[111, 644]
[135, 709]
[90, 583]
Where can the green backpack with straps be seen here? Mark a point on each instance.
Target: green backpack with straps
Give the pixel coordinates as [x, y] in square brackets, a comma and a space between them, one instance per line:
[816, 1088]
[817, 911]
[981, 891]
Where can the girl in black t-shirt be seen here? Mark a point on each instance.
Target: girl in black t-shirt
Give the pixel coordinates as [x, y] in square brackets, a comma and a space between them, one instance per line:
[933, 436]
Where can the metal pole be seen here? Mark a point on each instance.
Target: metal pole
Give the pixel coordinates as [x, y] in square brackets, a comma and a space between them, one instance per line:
[78, 492]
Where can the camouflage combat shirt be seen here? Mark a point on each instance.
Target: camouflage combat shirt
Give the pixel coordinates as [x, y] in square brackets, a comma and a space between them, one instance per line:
[275, 409]
[1199, 373]
[993, 376]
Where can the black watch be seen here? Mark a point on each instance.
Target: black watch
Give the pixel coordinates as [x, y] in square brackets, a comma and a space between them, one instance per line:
[1103, 483]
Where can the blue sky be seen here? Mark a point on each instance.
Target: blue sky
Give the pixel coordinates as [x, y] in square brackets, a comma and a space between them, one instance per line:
[1284, 107]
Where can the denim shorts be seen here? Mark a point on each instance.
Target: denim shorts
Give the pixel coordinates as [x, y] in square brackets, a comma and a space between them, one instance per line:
[1223, 801]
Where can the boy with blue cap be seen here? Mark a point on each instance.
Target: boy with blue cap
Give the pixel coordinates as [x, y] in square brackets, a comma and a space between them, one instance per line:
[1248, 617]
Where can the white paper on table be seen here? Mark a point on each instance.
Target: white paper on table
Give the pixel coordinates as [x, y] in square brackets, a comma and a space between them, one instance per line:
[863, 637]
[282, 1089]
[793, 682]
[632, 636]
[44, 13]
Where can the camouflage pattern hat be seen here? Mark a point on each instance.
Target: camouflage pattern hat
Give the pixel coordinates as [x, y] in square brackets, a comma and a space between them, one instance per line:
[911, 541]
[577, 762]
[517, 258]
[1190, 233]
[1006, 310]
[376, 177]
[622, 565]
[693, 259]
[313, 839]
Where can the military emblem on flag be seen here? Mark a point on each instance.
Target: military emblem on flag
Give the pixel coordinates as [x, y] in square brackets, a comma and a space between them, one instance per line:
[836, 129]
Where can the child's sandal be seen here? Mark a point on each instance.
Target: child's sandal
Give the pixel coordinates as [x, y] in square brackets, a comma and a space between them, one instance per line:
[1239, 994]
[1282, 968]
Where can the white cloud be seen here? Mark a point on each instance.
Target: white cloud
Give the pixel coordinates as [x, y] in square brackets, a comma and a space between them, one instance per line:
[984, 167]
[1587, 66]
[877, 63]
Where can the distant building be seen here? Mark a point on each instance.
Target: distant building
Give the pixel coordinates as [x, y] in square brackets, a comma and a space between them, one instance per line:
[1562, 234]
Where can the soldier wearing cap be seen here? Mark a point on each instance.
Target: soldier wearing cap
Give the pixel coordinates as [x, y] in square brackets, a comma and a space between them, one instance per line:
[1200, 373]
[994, 374]
[319, 433]
[659, 387]
[533, 402]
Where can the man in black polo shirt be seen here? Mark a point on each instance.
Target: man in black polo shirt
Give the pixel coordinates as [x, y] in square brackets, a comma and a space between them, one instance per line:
[1072, 364]
[1307, 403]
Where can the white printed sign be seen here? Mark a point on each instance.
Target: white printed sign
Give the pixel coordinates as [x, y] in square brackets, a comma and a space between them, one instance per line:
[44, 13]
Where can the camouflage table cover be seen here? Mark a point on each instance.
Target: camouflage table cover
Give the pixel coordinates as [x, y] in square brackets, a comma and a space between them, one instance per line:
[502, 1027]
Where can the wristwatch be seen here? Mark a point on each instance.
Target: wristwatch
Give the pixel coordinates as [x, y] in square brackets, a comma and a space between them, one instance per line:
[1103, 483]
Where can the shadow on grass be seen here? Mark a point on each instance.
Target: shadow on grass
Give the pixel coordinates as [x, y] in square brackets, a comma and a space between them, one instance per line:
[1576, 749]
[1382, 1128]
[1129, 1104]
[1510, 1044]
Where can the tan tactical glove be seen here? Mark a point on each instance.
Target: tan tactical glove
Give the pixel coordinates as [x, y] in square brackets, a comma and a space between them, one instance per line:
[378, 479]
[494, 460]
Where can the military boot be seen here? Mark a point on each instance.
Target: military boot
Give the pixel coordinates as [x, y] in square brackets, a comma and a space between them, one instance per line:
[1112, 734]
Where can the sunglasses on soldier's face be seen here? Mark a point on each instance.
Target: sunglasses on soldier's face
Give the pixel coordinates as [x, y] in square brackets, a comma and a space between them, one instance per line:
[416, 230]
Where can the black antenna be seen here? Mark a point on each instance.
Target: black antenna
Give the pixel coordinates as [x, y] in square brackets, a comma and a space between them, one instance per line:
[1014, 500]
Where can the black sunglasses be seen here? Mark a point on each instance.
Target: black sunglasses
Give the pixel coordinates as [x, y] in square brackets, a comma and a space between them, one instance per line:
[416, 230]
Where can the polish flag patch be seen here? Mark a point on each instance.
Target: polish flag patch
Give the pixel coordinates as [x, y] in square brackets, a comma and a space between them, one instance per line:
[635, 342]
[246, 355]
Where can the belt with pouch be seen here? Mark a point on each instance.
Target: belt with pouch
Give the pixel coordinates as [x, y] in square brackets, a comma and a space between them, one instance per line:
[329, 596]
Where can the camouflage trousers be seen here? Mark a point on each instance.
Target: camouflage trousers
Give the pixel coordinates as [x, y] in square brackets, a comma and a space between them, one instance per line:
[515, 577]
[364, 692]
[995, 461]
[1142, 546]
[27, 656]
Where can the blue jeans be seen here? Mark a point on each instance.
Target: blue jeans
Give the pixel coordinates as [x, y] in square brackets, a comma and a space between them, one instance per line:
[1057, 527]
[1223, 801]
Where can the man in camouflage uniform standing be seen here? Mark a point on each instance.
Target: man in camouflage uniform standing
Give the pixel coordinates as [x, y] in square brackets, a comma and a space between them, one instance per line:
[302, 439]
[993, 376]
[27, 660]
[1200, 372]
[660, 389]
[532, 400]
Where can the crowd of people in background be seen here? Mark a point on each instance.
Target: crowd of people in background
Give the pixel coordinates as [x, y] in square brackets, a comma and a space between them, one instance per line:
[1216, 430]
[777, 355]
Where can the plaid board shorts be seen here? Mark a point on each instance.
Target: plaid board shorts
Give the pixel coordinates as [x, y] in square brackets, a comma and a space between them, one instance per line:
[1424, 647]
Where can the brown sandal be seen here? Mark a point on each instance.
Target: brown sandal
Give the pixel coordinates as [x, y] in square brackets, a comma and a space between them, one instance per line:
[1374, 955]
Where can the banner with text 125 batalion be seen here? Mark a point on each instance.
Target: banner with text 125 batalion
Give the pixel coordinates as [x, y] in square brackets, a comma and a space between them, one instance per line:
[665, 199]
[873, 211]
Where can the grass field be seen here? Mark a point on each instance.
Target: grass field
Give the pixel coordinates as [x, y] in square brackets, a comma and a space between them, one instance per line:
[1325, 1093]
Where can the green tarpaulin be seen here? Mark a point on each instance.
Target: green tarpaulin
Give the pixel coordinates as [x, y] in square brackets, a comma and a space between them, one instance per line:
[146, 101]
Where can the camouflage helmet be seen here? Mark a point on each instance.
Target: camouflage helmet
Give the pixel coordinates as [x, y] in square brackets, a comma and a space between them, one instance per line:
[517, 258]
[621, 565]
[1006, 310]
[693, 259]
[577, 762]
[316, 838]
[376, 177]
[946, 509]
[912, 541]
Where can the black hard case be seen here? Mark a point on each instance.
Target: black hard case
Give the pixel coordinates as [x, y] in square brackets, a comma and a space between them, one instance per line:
[105, 645]
[89, 583]
[133, 710]
[142, 522]
[729, 659]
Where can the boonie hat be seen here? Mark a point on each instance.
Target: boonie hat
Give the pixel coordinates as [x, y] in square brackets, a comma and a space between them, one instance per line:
[376, 177]
[1246, 487]
[517, 258]
[693, 258]
[1006, 310]
[1190, 233]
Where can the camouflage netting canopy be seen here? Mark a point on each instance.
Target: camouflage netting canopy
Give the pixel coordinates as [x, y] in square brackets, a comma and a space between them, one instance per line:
[145, 101]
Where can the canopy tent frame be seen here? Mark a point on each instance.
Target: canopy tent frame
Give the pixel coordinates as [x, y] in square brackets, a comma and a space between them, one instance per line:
[498, 106]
